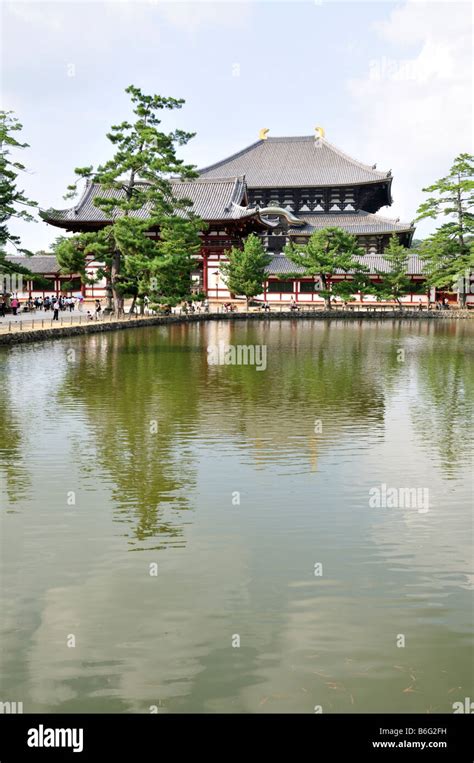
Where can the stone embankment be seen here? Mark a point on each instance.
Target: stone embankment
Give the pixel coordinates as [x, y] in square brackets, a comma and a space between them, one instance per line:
[20, 336]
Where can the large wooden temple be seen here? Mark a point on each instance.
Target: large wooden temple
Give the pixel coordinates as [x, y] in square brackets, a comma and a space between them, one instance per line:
[303, 184]
[282, 188]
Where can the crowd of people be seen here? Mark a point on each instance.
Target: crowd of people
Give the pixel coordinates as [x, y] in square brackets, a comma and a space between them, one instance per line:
[191, 307]
[51, 303]
[45, 304]
[54, 305]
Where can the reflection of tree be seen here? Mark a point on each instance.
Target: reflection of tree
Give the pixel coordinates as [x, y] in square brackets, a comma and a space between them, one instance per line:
[444, 416]
[339, 374]
[315, 372]
[127, 383]
[11, 454]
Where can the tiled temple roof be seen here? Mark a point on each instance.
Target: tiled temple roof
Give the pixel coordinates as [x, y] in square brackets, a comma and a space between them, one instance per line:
[295, 161]
[213, 199]
[356, 222]
[281, 265]
[39, 264]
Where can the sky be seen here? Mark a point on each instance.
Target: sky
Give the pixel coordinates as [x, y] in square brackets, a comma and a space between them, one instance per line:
[390, 83]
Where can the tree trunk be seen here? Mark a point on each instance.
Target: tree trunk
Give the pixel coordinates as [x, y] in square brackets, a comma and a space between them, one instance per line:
[108, 295]
[132, 306]
[114, 274]
[247, 300]
[327, 298]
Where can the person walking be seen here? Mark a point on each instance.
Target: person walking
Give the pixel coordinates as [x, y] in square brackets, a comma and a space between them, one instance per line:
[56, 311]
[14, 305]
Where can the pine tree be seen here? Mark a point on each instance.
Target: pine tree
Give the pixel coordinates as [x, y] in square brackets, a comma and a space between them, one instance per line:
[393, 283]
[138, 198]
[14, 203]
[449, 252]
[244, 273]
[328, 251]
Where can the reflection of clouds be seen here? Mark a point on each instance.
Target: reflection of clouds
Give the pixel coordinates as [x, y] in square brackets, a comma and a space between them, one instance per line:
[137, 637]
[435, 546]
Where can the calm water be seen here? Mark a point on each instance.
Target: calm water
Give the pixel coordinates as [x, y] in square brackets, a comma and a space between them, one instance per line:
[336, 413]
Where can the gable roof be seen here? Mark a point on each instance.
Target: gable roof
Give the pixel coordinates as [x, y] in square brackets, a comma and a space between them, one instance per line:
[213, 199]
[295, 161]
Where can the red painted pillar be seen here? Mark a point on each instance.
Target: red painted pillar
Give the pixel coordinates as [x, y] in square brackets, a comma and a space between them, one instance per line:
[204, 273]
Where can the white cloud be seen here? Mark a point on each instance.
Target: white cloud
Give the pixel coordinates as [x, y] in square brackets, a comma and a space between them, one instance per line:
[418, 106]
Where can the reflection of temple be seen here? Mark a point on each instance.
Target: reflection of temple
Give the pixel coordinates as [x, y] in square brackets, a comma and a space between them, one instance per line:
[282, 189]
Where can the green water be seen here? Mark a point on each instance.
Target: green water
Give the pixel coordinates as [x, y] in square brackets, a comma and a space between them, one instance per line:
[251, 479]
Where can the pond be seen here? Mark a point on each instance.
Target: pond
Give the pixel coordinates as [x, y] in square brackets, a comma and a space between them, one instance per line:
[281, 528]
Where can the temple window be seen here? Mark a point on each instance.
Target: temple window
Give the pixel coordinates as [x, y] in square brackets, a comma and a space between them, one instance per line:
[280, 287]
[309, 287]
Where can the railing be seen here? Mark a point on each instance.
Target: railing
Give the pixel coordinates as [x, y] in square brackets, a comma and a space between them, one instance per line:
[9, 324]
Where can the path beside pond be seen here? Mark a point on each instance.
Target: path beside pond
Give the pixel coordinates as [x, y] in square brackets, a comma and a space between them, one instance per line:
[21, 329]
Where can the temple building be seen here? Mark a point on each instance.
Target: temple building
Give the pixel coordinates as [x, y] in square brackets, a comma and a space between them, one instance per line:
[304, 184]
[282, 189]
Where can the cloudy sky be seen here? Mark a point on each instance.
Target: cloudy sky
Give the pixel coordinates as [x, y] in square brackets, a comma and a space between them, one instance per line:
[389, 82]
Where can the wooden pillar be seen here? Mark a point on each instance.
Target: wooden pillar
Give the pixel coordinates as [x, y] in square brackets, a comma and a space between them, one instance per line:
[205, 272]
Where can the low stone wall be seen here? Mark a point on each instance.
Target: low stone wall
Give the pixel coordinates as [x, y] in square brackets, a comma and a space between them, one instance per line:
[44, 334]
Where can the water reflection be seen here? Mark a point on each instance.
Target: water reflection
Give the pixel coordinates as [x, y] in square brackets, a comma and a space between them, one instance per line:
[13, 473]
[156, 443]
[137, 409]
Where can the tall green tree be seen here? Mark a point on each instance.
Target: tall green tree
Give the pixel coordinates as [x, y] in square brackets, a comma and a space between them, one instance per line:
[449, 252]
[394, 282]
[244, 273]
[14, 204]
[138, 193]
[328, 251]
